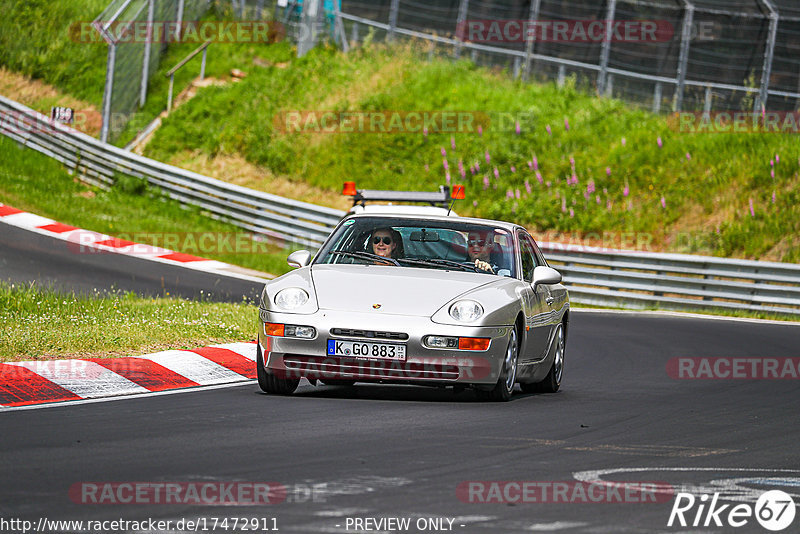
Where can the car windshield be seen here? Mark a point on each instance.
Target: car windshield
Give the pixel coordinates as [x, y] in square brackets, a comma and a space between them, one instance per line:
[420, 243]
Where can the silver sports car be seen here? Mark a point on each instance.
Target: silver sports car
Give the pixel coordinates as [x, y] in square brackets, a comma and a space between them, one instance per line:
[417, 299]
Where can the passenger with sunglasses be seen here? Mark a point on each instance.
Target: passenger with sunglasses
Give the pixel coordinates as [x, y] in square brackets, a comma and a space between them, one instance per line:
[479, 249]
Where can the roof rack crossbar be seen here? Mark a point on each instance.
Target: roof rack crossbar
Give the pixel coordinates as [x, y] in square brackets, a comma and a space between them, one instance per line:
[434, 198]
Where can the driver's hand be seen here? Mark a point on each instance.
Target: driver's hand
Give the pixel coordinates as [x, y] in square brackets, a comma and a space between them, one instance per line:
[483, 266]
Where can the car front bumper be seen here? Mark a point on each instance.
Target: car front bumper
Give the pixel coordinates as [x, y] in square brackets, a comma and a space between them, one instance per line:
[291, 357]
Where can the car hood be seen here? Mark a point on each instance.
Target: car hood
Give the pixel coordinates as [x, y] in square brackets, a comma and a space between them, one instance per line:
[390, 289]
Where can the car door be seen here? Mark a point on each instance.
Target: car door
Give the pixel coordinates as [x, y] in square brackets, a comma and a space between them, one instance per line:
[536, 308]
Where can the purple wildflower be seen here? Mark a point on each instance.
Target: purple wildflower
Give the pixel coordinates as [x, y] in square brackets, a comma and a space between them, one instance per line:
[480, 130]
[752, 211]
[509, 193]
[566, 124]
[513, 169]
[485, 182]
[444, 153]
[488, 157]
[539, 176]
[663, 202]
[549, 131]
[527, 186]
[626, 190]
[517, 193]
[535, 163]
[688, 156]
[517, 128]
[623, 141]
[659, 142]
[461, 169]
[571, 213]
[572, 162]
[447, 177]
[563, 205]
[772, 173]
[496, 173]
[773, 197]
[608, 171]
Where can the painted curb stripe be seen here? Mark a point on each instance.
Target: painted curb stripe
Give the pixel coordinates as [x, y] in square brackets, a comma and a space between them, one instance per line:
[193, 366]
[20, 386]
[229, 359]
[8, 210]
[115, 243]
[84, 378]
[181, 257]
[145, 373]
[57, 228]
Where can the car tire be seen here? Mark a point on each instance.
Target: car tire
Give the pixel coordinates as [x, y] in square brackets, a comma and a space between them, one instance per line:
[552, 382]
[504, 388]
[269, 383]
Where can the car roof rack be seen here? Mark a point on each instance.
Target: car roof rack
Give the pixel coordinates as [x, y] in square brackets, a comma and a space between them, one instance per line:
[440, 198]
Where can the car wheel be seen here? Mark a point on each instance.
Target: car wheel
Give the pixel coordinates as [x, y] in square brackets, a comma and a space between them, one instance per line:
[504, 388]
[269, 383]
[552, 381]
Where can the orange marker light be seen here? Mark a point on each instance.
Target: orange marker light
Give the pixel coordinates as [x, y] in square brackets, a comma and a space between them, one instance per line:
[349, 189]
[458, 192]
[273, 329]
[473, 343]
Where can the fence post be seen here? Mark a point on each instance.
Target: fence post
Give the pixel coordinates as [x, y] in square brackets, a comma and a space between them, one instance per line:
[657, 98]
[707, 100]
[147, 46]
[460, 29]
[393, 9]
[109, 88]
[683, 58]
[533, 17]
[606, 50]
[308, 26]
[354, 32]
[339, 26]
[179, 20]
[766, 71]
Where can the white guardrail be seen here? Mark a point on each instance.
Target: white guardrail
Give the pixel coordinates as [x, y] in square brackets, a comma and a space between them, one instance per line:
[601, 277]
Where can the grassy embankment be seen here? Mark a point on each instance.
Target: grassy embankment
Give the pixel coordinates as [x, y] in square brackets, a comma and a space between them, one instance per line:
[603, 167]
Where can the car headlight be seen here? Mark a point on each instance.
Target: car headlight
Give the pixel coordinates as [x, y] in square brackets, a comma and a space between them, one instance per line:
[291, 298]
[466, 311]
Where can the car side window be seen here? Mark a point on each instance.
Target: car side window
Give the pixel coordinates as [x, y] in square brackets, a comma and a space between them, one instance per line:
[527, 255]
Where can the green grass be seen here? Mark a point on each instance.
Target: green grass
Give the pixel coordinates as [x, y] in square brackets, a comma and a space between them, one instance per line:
[43, 324]
[706, 195]
[33, 182]
[35, 40]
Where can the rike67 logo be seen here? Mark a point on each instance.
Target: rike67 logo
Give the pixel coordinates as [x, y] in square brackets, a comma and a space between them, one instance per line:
[774, 510]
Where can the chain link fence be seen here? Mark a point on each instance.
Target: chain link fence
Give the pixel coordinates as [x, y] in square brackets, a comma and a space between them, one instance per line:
[133, 60]
[720, 55]
[708, 54]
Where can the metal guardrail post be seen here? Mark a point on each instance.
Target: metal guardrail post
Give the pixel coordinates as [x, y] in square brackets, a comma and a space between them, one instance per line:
[707, 100]
[606, 50]
[394, 8]
[309, 22]
[151, 5]
[461, 30]
[683, 57]
[530, 40]
[769, 52]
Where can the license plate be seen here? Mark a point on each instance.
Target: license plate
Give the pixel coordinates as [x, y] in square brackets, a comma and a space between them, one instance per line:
[366, 350]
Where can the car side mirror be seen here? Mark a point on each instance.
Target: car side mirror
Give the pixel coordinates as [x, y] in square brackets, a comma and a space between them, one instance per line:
[299, 258]
[545, 275]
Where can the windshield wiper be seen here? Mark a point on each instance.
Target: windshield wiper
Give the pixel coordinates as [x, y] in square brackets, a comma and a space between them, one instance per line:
[438, 262]
[365, 256]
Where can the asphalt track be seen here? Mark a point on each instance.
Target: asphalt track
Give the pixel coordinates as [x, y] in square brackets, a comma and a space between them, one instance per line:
[27, 257]
[403, 452]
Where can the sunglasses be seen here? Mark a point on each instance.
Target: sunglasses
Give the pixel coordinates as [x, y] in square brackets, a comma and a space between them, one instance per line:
[478, 242]
[386, 240]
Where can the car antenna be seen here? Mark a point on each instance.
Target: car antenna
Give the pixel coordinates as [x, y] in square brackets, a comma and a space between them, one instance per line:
[457, 194]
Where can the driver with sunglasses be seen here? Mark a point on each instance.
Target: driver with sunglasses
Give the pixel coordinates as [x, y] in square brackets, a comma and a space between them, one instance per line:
[385, 243]
[479, 248]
